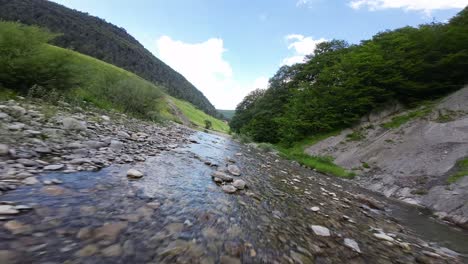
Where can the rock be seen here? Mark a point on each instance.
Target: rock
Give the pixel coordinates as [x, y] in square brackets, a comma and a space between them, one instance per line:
[8, 210]
[70, 123]
[229, 189]
[239, 184]
[16, 227]
[229, 260]
[222, 176]
[116, 144]
[320, 230]
[8, 257]
[43, 150]
[134, 174]
[4, 149]
[123, 134]
[110, 231]
[105, 118]
[94, 144]
[54, 167]
[87, 251]
[314, 208]
[30, 181]
[371, 202]
[383, 236]
[234, 170]
[352, 244]
[27, 162]
[16, 111]
[112, 251]
[53, 190]
[23, 207]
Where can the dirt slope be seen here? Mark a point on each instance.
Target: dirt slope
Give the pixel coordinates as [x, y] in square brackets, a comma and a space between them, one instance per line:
[413, 161]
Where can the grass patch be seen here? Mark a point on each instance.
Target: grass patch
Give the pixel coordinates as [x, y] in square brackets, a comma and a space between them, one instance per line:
[398, 121]
[355, 136]
[6, 94]
[198, 117]
[265, 147]
[322, 164]
[462, 166]
[365, 165]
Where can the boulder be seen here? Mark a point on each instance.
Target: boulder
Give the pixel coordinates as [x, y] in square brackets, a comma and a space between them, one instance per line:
[70, 123]
[239, 184]
[234, 170]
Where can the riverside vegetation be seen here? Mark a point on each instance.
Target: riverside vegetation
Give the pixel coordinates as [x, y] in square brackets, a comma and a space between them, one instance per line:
[340, 83]
[80, 79]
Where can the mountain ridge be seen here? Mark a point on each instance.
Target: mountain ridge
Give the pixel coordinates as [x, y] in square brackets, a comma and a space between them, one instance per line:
[98, 38]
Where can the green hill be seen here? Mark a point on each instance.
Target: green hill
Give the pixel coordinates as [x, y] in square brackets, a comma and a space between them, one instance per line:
[102, 40]
[31, 67]
[228, 114]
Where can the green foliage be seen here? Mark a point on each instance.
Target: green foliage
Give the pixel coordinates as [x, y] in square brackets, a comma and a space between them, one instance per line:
[227, 114]
[102, 40]
[398, 121]
[320, 163]
[26, 60]
[198, 117]
[265, 147]
[208, 124]
[355, 136]
[462, 171]
[340, 83]
[365, 165]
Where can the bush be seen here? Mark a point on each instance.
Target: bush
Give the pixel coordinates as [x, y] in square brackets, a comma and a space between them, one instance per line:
[208, 124]
[27, 60]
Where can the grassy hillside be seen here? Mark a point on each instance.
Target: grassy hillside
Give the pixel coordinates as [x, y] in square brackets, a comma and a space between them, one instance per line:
[198, 117]
[31, 67]
[228, 114]
[102, 40]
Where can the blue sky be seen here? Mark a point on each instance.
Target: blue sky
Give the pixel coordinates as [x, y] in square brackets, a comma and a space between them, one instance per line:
[228, 48]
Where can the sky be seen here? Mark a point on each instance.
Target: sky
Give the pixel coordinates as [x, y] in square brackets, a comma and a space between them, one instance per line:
[227, 48]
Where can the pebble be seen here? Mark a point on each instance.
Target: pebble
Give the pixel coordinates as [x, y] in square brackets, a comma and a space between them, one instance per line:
[8, 210]
[4, 149]
[239, 184]
[383, 236]
[31, 181]
[229, 189]
[314, 208]
[320, 230]
[134, 174]
[351, 243]
[234, 170]
[54, 167]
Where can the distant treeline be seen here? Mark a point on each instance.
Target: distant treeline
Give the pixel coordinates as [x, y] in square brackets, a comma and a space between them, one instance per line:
[97, 38]
[340, 83]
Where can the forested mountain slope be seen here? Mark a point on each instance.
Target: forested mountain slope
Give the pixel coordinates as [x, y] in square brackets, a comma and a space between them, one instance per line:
[340, 83]
[97, 38]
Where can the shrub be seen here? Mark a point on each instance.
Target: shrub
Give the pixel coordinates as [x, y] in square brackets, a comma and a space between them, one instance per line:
[27, 60]
[208, 124]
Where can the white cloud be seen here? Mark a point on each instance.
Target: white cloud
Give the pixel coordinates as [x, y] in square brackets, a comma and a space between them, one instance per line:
[417, 5]
[307, 3]
[205, 67]
[301, 46]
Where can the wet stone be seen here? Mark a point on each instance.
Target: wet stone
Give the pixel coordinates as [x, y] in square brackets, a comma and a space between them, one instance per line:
[239, 184]
[234, 170]
[112, 251]
[352, 244]
[87, 251]
[134, 174]
[8, 210]
[320, 230]
[17, 227]
[229, 189]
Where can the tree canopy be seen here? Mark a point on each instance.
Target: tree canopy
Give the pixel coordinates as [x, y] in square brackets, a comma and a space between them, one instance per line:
[339, 83]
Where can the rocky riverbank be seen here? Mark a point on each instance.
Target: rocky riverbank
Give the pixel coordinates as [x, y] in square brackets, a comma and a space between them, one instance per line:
[413, 161]
[37, 138]
[206, 199]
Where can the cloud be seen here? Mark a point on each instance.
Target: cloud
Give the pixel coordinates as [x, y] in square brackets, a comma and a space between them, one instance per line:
[205, 67]
[301, 46]
[307, 3]
[416, 5]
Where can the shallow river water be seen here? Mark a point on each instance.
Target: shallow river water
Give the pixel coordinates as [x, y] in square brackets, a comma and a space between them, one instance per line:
[177, 214]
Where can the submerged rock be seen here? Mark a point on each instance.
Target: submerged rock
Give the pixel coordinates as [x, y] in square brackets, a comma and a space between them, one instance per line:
[134, 174]
[229, 189]
[234, 170]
